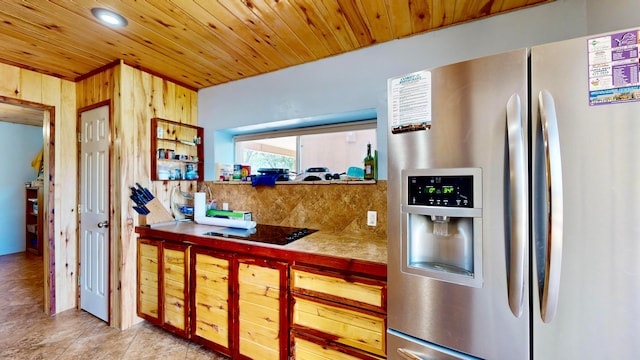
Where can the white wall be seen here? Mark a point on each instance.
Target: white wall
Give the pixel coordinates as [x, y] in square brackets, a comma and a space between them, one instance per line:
[604, 16]
[357, 80]
[19, 144]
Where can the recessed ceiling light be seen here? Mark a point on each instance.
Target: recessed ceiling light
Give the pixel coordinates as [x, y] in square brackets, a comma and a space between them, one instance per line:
[109, 17]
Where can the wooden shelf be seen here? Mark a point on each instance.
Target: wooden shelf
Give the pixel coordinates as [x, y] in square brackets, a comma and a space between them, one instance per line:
[33, 219]
[169, 141]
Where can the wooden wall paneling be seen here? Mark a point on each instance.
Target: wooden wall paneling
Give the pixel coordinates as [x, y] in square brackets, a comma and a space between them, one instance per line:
[96, 88]
[48, 228]
[31, 93]
[58, 97]
[193, 103]
[157, 99]
[169, 100]
[143, 109]
[144, 96]
[90, 91]
[136, 97]
[183, 106]
[126, 122]
[63, 177]
[117, 225]
[9, 81]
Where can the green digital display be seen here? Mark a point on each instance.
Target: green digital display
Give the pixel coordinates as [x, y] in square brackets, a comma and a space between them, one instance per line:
[446, 189]
[449, 191]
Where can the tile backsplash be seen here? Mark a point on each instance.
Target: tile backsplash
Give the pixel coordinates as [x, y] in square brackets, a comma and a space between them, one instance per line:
[339, 207]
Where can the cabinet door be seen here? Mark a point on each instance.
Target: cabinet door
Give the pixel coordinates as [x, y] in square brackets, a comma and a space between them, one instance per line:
[211, 317]
[149, 306]
[262, 316]
[175, 268]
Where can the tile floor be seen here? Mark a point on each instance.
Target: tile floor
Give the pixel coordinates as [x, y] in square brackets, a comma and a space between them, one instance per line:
[27, 333]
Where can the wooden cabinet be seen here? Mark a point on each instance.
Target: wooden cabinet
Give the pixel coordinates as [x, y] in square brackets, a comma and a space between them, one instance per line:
[149, 273]
[239, 305]
[262, 310]
[212, 299]
[177, 151]
[252, 306]
[175, 285]
[163, 291]
[33, 219]
[338, 313]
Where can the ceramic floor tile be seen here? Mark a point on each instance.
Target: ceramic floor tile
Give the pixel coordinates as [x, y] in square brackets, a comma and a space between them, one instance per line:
[27, 333]
[36, 352]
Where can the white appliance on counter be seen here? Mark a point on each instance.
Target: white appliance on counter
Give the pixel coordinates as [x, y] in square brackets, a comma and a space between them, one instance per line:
[514, 205]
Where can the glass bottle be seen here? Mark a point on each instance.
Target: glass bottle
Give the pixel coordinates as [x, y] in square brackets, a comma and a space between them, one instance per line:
[369, 164]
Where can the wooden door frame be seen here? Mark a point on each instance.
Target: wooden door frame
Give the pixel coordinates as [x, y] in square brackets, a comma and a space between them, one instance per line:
[49, 246]
[109, 210]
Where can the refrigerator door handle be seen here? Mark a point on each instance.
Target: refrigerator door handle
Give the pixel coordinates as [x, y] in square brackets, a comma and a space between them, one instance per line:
[408, 355]
[518, 196]
[554, 210]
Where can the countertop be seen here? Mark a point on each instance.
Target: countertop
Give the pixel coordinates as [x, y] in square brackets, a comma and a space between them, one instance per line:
[352, 249]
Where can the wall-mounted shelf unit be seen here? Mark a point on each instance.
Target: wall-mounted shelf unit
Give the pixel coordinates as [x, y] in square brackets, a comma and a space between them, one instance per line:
[177, 151]
[33, 216]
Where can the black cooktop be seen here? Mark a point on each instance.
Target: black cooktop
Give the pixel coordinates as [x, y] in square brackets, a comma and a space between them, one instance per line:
[271, 234]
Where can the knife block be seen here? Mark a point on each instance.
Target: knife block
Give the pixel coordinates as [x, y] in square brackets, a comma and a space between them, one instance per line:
[157, 214]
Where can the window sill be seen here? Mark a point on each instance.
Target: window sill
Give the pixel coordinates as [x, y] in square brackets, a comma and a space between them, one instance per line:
[319, 182]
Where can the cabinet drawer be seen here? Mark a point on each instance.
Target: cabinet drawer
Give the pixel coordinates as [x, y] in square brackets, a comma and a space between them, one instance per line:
[352, 290]
[309, 350]
[358, 329]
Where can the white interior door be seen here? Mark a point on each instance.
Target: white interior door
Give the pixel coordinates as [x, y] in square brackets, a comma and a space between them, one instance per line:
[94, 212]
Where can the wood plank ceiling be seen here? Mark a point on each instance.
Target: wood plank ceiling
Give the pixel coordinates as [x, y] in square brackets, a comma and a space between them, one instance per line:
[201, 43]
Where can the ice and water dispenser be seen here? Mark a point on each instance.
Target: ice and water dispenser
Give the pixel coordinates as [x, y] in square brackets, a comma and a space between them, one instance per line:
[442, 224]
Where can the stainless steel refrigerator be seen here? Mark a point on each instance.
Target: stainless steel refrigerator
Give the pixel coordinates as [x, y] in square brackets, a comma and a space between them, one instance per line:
[514, 205]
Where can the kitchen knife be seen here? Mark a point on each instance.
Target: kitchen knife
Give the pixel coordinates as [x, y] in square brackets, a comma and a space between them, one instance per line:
[147, 194]
[142, 210]
[136, 199]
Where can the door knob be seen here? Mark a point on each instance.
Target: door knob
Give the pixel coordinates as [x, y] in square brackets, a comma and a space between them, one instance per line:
[103, 224]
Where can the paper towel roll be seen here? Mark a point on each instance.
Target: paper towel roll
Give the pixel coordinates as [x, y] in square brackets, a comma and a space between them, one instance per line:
[199, 205]
[241, 224]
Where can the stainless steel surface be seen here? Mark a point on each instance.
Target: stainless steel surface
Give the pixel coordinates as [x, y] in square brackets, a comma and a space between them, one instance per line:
[597, 315]
[554, 211]
[518, 201]
[584, 172]
[403, 347]
[468, 131]
[456, 258]
[407, 354]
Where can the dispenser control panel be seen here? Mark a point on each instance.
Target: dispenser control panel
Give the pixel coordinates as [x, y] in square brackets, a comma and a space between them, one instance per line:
[447, 191]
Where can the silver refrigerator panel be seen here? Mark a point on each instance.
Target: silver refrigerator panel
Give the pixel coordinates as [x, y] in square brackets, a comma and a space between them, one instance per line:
[407, 348]
[468, 131]
[598, 312]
